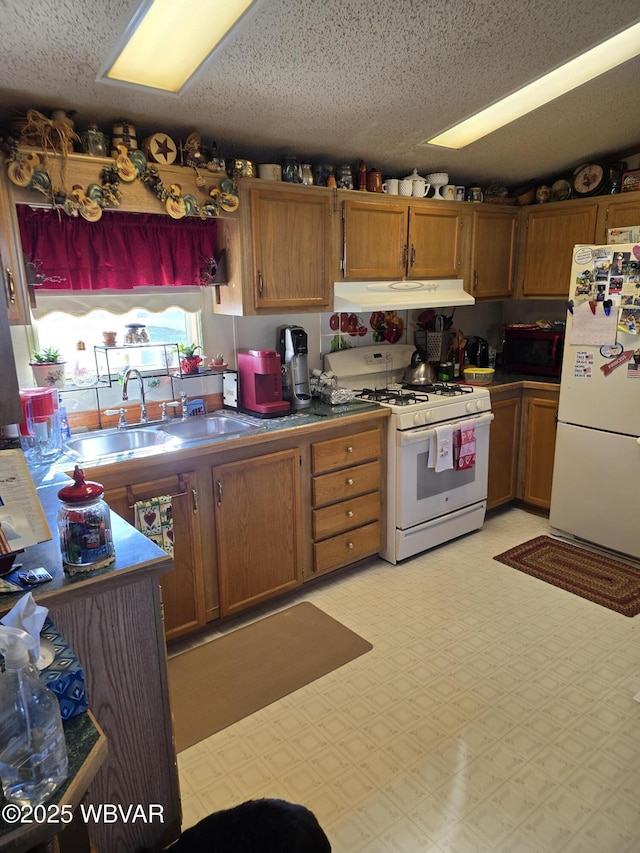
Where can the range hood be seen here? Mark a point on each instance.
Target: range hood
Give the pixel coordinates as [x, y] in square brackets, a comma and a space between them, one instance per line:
[398, 295]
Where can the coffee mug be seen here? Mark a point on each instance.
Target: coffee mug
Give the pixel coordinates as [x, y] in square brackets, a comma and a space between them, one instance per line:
[420, 188]
[374, 181]
[474, 194]
[390, 186]
[449, 192]
[270, 171]
[405, 187]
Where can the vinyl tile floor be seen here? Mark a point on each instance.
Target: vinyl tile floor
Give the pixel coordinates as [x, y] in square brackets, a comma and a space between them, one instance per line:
[494, 713]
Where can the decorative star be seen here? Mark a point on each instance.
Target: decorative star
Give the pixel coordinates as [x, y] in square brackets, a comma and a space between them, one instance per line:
[164, 148]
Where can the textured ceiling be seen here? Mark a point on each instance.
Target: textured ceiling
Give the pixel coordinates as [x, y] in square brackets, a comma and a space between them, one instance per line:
[331, 81]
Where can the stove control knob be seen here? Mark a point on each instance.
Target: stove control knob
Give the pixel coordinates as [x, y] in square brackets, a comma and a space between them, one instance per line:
[427, 416]
[479, 405]
[417, 419]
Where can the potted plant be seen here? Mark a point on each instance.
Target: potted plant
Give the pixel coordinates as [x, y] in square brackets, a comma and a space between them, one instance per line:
[189, 361]
[48, 368]
[218, 359]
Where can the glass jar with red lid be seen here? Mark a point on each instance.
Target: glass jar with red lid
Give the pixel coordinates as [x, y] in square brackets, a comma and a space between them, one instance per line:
[84, 524]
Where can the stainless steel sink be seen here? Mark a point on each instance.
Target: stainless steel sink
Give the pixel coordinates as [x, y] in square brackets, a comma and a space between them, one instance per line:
[96, 445]
[210, 426]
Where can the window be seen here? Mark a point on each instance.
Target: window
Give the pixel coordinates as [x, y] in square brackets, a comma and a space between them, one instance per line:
[62, 320]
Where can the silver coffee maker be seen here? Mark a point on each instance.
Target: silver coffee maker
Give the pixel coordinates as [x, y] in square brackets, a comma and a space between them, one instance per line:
[292, 346]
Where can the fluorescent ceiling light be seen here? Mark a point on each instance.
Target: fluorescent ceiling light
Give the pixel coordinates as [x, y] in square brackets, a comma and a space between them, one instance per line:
[593, 63]
[167, 41]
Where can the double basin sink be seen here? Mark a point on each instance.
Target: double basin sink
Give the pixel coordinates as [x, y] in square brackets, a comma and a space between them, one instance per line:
[142, 440]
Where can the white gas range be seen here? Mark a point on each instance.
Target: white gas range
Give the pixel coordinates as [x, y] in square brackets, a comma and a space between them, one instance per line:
[437, 448]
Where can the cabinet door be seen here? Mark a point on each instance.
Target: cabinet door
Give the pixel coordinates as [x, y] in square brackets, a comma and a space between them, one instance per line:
[435, 243]
[493, 253]
[539, 440]
[620, 215]
[12, 275]
[375, 240]
[291, 243]
[504, 442]
[550, 238]
[10, 407]
[183, 587]
[257, 520]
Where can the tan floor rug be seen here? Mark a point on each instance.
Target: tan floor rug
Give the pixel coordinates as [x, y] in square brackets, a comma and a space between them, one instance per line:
[226, 679]
[593, 576]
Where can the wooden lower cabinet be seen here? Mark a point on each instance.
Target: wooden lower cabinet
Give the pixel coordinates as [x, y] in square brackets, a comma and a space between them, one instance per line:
[182, 588]
[539, 422]
[504, 442]
[522, 444]
[257, 521]
[346, 497]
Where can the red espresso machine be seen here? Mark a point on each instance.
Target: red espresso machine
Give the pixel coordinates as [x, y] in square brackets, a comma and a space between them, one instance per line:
[260, 380]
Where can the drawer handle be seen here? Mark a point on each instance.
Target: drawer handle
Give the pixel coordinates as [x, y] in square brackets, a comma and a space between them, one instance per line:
[349, 544]
[349, 449]
[350, 514]
[350, 481]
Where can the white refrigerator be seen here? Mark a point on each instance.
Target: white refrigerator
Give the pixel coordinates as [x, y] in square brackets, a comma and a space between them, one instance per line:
[596, 476]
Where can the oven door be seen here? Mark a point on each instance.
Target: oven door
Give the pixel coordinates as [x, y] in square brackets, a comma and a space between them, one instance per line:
[421, 493]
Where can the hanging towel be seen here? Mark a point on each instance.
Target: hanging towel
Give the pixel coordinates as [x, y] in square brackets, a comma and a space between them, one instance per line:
[154, 518]
[444, 448]
[431, 456]
[465, 441]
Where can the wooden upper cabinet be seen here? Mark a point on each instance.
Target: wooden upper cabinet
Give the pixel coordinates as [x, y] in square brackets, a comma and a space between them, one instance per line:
[401, 239]
[618, 212]
[549, 238]
[493, 252]
[375, 237]
[435, 242]
[291, 233]
[12, 274]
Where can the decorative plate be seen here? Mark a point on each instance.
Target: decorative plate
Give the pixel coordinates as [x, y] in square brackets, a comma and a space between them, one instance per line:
[560, 190]
[589, 179]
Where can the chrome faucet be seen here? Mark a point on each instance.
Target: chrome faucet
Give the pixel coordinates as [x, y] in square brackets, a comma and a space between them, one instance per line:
[125, 383]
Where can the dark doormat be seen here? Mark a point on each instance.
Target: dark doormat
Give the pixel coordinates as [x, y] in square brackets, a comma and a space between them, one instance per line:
[593, 576]
[223, 681]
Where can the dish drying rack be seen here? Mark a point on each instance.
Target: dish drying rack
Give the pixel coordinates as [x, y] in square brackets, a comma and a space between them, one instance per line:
[327, 389]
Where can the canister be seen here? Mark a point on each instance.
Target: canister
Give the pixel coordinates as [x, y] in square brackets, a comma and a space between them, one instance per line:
[445, 371]
[84, 523]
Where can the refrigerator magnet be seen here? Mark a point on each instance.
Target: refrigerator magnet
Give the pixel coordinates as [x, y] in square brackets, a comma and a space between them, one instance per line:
[611, 351]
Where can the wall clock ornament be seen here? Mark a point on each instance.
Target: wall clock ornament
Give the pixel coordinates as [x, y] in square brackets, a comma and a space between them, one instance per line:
[589, 179]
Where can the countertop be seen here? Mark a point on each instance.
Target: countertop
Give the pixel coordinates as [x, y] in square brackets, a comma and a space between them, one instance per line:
[133, 551]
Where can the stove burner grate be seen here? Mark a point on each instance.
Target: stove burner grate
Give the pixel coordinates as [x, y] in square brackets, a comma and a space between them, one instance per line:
[394, 397]
[442, 389]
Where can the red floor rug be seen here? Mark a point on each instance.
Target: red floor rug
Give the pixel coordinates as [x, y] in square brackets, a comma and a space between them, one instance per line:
[597, 578]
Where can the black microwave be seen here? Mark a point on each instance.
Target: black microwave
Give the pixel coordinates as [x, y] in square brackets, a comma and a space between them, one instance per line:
[530, 349]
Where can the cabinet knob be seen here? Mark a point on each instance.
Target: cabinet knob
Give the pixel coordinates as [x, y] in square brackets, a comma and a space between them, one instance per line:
[349, 449]
[260, 284]
[350, 514]
[349, 544]
[350, 481]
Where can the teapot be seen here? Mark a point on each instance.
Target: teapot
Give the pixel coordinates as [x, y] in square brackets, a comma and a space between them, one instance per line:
[419, 371]
[419, 186]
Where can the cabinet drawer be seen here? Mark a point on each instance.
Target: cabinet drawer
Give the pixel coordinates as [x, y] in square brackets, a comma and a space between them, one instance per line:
[347, 548]
[349, 450]
[344, 484]
[346, 515]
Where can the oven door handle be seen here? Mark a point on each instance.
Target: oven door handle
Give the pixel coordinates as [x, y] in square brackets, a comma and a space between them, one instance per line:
[421, 434]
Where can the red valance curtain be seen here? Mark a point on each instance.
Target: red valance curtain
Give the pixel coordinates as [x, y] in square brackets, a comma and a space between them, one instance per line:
[120, 251]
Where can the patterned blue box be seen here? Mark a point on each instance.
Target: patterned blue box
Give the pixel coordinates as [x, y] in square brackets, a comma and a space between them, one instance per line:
[64, 675]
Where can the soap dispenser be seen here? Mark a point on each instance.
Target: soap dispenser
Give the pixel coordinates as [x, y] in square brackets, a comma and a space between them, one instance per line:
[33, 752]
